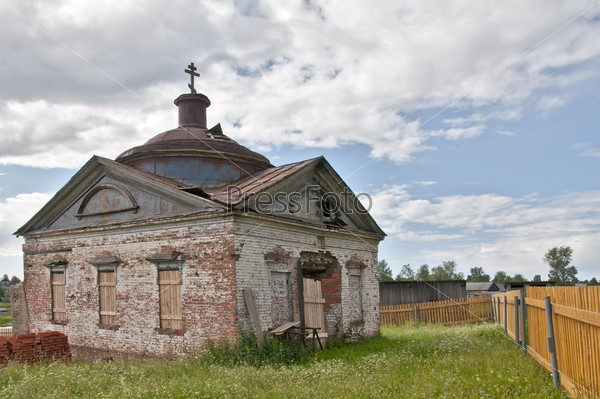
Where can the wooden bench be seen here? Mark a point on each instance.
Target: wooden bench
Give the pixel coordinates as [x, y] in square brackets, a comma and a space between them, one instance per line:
[293, 328]
[285, 327]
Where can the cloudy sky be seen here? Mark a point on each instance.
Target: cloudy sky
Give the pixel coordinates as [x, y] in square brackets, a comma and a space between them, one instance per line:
[474, 125]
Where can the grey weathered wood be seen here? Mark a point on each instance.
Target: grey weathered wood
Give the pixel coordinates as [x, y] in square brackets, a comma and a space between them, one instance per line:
[300, 291]
[283, 328]
[523, 332]
[505, 315]
[552, 343]
[499, 318]
[254, 318]
[403, 292]
[517, 335]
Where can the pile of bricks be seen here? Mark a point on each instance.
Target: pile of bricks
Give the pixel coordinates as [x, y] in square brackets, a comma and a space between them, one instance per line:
[4, 349]
[25, 347]
[55, 345]
[30, 348]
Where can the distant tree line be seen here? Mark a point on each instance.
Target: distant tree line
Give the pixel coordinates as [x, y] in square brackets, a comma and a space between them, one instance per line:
[445, 271]
[558, 258]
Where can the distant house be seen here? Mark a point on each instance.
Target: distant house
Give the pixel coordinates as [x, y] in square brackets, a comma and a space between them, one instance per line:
[5, 283]
[519, 285]
[489, 288]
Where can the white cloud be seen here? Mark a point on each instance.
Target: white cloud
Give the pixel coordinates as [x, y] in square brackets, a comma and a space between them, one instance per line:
[14, 212]
[592, 152]
[490, 230]
[67, 135]
[306, 74]
[425, 183]
[505, 133]
[587, 150]
[548, 103]
[480, 117]
[464, 133]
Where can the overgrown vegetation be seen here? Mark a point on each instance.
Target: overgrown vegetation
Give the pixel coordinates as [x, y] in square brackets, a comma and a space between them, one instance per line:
[468, 361]
[275, 351]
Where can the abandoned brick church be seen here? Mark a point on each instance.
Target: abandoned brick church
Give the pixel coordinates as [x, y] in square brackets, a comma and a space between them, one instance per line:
[156, 251]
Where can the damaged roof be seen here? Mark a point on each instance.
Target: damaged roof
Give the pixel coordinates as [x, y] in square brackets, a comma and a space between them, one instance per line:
[257, 182]
[188, 170]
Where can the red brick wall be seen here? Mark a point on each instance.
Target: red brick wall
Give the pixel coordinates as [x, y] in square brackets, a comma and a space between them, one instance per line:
[208, 286]
[219, 264]
[331, 289]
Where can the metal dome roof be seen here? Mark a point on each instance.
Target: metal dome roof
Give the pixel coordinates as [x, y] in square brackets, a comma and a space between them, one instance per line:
[212, 149]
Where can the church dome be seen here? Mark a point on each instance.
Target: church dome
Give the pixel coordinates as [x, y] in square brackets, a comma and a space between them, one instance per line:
[191, 153]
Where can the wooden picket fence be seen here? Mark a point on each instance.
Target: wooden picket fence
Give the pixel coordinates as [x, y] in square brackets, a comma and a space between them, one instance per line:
[451, 311]
[6, 332]
[573, 354]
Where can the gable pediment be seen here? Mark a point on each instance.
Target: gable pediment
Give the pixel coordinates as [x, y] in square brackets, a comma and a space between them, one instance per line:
[309, 190]
[309, 200]
[105, 199]
[105, 192]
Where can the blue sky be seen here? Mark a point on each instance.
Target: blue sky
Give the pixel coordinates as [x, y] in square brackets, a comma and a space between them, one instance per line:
[473, 126]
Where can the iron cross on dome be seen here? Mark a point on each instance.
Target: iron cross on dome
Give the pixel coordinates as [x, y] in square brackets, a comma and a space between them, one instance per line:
[192, 71]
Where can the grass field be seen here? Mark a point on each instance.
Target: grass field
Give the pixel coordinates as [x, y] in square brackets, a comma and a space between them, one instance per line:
[5, 321]
[468, 361]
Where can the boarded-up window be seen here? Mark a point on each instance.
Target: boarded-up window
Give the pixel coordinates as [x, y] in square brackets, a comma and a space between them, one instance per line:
[59, 305]
[108, 297]
[281, 304]
[355, 308]
[169, 282]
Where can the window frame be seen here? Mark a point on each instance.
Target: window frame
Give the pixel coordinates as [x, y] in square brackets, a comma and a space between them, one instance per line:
[169, 298]
[170, 318]
[58, 267]
[108, 297]
[107, 318]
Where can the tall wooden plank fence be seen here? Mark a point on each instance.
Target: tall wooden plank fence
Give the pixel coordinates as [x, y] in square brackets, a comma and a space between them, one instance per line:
[451, 311]
[567, 343]
[504, 310]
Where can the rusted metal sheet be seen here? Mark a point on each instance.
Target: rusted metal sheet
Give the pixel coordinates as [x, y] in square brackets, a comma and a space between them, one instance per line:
[195, 156]
[256, 183]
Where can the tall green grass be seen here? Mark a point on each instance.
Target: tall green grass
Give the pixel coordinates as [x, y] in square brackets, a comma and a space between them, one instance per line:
[468, 361]
[246, 352]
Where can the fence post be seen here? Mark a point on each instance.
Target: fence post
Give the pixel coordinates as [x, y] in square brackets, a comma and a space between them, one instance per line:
[498, 306]
[523, 329]
[551, 342]
[416, 314]
[491, 309]
[505, 315]
[517, 338]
